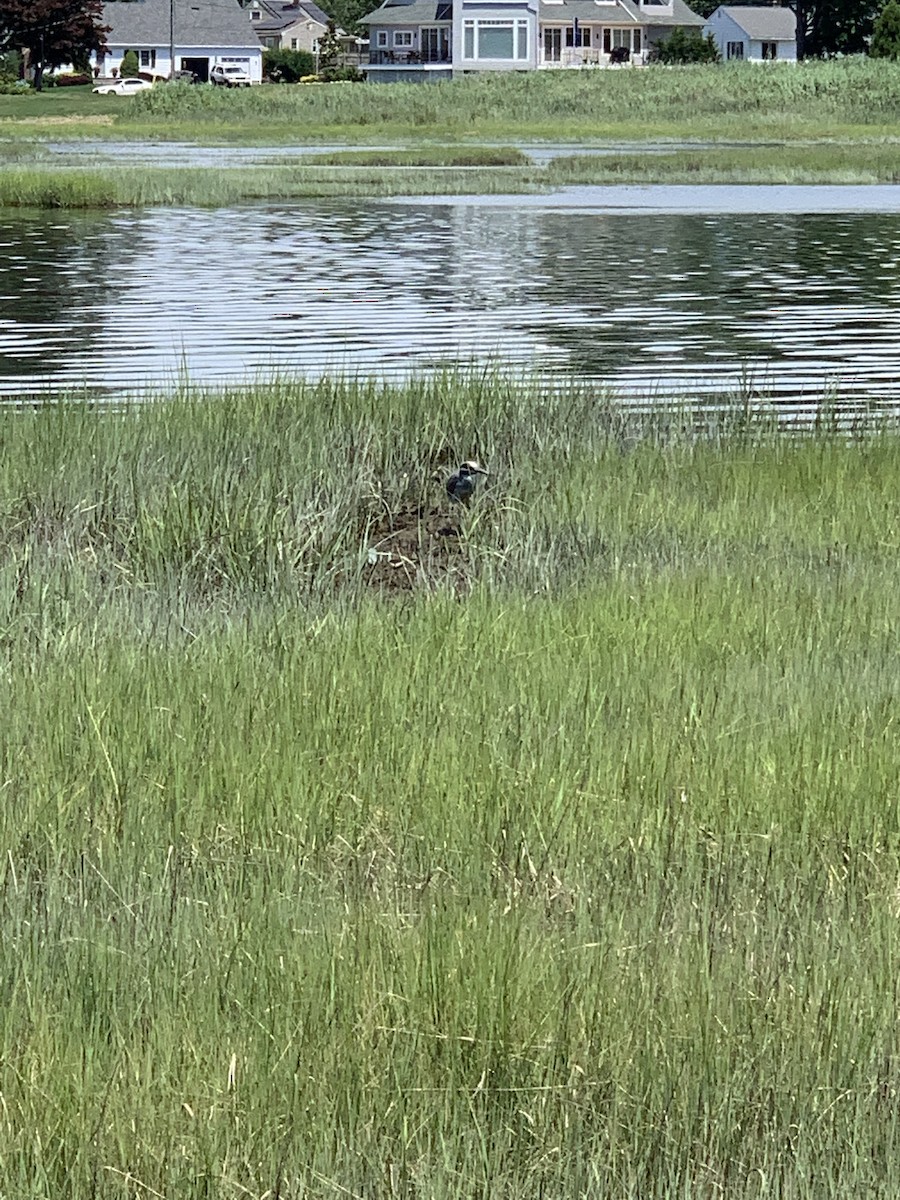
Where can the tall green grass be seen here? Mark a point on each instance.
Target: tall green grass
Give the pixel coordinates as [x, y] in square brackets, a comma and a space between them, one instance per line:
[580, 879]
[853, 98]
[736, 100]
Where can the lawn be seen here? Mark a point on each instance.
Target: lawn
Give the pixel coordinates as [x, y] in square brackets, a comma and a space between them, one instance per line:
[358, 844]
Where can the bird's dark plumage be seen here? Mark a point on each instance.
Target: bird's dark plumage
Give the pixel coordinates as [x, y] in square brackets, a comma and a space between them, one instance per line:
[461, 484]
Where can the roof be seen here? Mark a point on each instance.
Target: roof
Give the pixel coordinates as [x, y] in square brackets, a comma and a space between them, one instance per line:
[281, 16]
[680, 15]
[587, 10]
[763, 23]
[138, 23]
[416, 12]
[426, 12]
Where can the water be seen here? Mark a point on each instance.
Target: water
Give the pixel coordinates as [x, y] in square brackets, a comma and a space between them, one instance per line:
[637, 290]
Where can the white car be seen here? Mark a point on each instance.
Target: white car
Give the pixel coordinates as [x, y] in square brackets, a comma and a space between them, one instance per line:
[122, 87]
[229, 75]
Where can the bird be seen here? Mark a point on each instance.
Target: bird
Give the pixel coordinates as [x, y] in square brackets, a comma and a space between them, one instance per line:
[461, 484]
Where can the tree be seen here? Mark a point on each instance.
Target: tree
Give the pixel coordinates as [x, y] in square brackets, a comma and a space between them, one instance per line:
[329, 49]
[52, 32]
[886, 34]
[685, 46]
[826, 27]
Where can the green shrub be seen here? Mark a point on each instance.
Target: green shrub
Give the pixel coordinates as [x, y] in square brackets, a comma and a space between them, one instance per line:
[341, 75]
[288, 66]
[685, 46]
[130, 64]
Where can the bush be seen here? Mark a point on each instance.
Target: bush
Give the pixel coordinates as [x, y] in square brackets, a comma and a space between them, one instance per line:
[130, 65]
[287, 66]
[886, 34]
[685, 46]
[10, 66]
[341, 75]
[71, 80]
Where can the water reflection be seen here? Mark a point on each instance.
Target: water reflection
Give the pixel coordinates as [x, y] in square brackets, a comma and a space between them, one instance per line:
[652, 304]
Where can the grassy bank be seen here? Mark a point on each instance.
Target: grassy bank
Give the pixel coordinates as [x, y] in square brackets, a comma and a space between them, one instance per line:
[566, 865]
[850, 99]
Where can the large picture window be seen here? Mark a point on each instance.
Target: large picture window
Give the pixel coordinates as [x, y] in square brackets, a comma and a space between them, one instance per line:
[503, 40]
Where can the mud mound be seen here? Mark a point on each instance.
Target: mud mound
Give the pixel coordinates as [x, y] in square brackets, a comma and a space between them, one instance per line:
[418, 547]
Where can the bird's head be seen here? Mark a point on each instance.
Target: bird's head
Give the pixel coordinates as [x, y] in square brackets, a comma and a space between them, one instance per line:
[471, 467]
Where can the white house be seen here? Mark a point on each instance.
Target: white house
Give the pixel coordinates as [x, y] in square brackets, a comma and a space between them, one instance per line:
[206, 32]
[412, 40]
[754, 33]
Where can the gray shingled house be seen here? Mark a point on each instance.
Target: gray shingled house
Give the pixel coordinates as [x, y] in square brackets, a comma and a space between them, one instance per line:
[428, 39]
[207, 32]
[754, 33]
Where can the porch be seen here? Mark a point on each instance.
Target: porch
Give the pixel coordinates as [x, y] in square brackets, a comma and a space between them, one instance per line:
[428, 46]
[580, 44]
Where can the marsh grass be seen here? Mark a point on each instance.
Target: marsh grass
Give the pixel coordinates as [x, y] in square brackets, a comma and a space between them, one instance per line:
[849, 99]
[736, 100]
[431, 172]
[426, 156]
[821, 163]
[581, 882]
[115, 187]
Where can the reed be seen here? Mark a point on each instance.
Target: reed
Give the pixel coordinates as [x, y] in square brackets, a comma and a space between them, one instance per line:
[738, 100]
[824, 162]
[115, 187]
[850, 98]
[573, 873]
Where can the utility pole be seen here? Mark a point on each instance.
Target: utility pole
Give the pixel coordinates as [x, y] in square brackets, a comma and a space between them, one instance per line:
[171, 40]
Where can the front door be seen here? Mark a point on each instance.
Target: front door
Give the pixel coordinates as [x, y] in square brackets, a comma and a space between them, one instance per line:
[552, 44]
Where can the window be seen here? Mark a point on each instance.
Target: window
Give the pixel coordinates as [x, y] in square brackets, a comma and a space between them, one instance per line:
[148, 58]
[770, 50]
[578, 37]
[501, 40]
[622, 39]
[734, 50]
[381, 38]
[403, 38]
[255, 14]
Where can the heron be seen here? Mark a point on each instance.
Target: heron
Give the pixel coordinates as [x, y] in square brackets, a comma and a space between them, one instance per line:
[461, 484]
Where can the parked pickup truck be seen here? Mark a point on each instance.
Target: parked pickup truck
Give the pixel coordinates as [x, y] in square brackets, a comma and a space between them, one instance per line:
[229, 75]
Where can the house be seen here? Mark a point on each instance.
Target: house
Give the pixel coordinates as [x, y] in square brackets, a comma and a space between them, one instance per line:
[298, 25]
[204, 32]
[754, 33]
[432, 39]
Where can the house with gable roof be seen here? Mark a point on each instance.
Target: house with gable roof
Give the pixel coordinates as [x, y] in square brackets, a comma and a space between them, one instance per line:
[754, 33]
[206, 32]
[412, 40]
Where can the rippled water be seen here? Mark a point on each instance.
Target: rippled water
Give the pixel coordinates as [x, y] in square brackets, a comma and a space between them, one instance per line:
[791, 304]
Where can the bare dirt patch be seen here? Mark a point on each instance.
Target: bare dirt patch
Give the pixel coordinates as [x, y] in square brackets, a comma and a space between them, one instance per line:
[99, 119]
[419, 546]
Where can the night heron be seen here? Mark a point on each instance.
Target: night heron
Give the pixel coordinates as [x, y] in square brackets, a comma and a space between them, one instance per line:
[461, 484]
